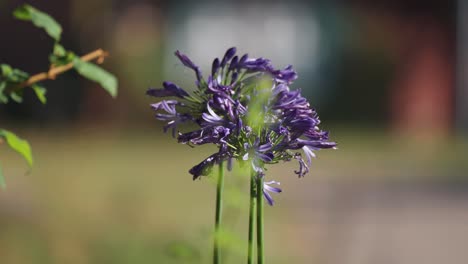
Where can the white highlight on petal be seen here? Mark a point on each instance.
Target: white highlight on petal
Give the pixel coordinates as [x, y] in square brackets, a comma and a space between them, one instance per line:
[212, 112]
[309, 154]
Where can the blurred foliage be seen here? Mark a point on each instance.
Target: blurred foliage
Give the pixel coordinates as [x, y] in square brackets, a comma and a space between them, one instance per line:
[116, 198]
[11, 77]
[183, 252]
[12, 81]
[19, 145]
[39, 19]
[93, 72]
[262, 93]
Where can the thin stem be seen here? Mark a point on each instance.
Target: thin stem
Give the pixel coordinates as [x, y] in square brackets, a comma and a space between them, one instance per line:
[260, 241]
[219, 212]
[251, 217]
[98, 54]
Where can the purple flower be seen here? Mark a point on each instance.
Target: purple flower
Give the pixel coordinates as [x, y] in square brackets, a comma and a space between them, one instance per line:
[258, 151]
[228, 55]
[169, 89]
[216, 135]
[220, 108]
[287, 100]
[316, 144]
[267, 189]
[287, 75]
[309, 154]
[166, 105]
[258, 154]
[215, 67]
[233, 64]
[255, 65]
[211, 117]
[303, 168]
[188, 63]
[204, 168]
[171, 116]
[219, 89]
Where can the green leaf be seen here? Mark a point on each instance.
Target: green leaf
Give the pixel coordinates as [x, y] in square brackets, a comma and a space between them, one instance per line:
[40, 92]
[2, 179]
[19, 145]
[59, 50]
[13, 75]
[6, 69]
[39, 19]
[18, 76]
[60, 56]
[15, 96]
[3, 98]
[93, 72]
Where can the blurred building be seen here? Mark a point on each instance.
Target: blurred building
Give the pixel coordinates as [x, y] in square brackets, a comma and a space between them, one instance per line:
[388, 64]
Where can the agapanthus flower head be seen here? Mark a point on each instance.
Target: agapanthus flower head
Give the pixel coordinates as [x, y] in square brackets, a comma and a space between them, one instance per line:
[247, 108]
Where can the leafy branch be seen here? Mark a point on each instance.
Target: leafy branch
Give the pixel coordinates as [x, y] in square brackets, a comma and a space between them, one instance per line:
[12, 81]
[98, 55]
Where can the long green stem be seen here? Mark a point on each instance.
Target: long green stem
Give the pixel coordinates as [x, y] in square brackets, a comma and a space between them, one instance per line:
[260, 244]
[253, 198]
[219, 212]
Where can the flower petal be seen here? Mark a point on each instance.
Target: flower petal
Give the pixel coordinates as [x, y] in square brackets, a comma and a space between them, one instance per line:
[170, 89]
[188, 63]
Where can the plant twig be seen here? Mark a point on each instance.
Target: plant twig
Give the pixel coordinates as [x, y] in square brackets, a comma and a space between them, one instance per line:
[98, 55]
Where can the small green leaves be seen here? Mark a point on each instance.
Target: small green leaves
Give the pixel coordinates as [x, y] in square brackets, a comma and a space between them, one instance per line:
[59, 50]
[95, 73]
[17, 97]
[39, 19]
[13, 75]
[3, 98]
[6, 69]
[19, 145]
[13, 78]
[61, 56]
[10, 77]
[40, 92]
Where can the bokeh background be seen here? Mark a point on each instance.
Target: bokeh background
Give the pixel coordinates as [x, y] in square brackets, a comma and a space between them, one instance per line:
[388, 78]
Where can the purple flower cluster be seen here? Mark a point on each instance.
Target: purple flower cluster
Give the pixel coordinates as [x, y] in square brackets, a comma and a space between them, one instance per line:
[246, 107]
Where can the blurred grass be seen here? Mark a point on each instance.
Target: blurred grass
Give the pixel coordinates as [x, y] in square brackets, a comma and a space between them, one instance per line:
[109, 196]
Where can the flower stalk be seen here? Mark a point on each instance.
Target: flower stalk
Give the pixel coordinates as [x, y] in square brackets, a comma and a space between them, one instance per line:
[245, 107]
[260, 223]
[218, 213]
[252, 208]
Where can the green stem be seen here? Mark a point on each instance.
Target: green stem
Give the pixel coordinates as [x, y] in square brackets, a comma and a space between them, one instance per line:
[251, 217]
[260, 244]
[218, 214]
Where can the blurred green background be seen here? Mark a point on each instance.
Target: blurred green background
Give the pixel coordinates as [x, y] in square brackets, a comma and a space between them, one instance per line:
[387, 78]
